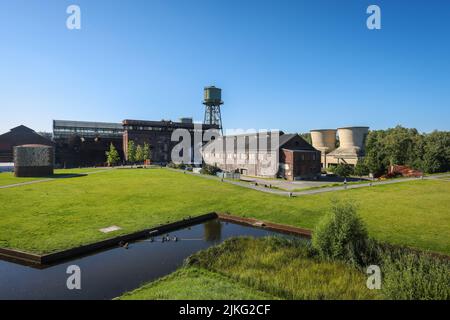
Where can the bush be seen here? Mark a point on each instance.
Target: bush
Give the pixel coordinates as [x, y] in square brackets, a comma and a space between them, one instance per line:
[409, 275]
[361, 169]
[180, 166]
[343, 170]
[211, 170]
[342, 235]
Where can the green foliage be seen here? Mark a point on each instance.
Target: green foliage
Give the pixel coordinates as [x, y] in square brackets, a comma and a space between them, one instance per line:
[147, 153]
[112, 156]
[403, 146]
[306, 137]
[285, 268]
[131, 152]
[342, 235]
[361, 169]
[343, 170]
[409, 275]
[208, 169]
[140, 154]
[436, 152]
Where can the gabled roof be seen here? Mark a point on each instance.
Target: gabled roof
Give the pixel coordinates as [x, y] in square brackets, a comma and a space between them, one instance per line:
[255, 142]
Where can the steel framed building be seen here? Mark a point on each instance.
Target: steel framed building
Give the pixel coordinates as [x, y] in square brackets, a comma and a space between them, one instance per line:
[82, 143]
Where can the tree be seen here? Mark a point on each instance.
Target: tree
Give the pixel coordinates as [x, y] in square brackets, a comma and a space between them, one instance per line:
[147, 152]
[306, 137]
[131, 152]
[139, 154]
[361, 169]
[343, 170]
[112, 156]
[436, 152]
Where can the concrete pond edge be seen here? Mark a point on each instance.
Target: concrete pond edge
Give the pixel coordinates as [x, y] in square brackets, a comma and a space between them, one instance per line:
[42, 261]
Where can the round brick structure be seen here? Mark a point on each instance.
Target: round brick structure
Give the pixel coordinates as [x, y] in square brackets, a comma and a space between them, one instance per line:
[33, 160]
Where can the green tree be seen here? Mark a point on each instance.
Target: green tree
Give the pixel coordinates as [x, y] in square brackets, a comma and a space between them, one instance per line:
[112, 156]
[343, 170]
[131, 152]
[361, 169]
[436, 152]
[306, 137]
[147, 152]
[139, 154]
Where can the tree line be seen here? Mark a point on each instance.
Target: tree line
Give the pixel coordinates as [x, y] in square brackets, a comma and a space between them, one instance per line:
[135, 153]
[427, 152]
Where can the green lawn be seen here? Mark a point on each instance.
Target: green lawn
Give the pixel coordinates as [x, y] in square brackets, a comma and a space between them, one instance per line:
[238, 269]
[64, 213]
[7, 178]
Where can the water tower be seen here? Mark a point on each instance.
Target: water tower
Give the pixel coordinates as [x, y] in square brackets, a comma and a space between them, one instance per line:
[212, 101]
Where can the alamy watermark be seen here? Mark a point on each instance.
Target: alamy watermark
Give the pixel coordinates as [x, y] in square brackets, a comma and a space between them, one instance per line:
[374, 279]
[74, 280]
[73, 21]
[374, 20]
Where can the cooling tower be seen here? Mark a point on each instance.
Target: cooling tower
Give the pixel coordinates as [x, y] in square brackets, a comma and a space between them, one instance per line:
[33, 160]
[352, 138]
[324, 140]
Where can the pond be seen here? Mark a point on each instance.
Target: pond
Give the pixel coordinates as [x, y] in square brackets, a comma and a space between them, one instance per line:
[108, 274]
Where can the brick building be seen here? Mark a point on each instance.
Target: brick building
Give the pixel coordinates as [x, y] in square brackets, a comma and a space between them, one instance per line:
[158, 134]
[19, 136]
[271, 154]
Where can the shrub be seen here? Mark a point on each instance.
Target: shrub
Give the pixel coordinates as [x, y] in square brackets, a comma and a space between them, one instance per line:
[342, 235]
[343, 170]
[409, 275]
[208, 169]
[361, 169]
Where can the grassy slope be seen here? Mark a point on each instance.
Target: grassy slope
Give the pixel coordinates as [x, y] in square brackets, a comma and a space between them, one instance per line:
[68, 212]
[284, 271]
[195, 284]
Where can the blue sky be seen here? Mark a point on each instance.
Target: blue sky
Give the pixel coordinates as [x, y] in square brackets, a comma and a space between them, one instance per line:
[290, 65]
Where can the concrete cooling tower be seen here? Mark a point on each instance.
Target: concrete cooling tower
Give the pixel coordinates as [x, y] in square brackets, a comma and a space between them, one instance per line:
[352, 138]
[351, 145]
[324, 140]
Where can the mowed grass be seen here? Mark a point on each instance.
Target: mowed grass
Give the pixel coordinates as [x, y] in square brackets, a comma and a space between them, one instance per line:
[257, 269]
[8, 178]
[64, 213]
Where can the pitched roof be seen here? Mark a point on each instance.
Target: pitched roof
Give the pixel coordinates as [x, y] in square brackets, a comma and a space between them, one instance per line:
[255, 142]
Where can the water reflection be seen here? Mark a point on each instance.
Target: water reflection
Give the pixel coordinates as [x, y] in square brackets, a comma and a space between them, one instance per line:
[109, 273]
[213, 230]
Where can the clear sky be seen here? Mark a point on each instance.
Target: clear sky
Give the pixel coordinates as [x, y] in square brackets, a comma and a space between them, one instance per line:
[291, 65]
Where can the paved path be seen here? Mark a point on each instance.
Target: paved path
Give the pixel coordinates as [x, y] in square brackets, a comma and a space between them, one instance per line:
[51, 179]
[311, 191]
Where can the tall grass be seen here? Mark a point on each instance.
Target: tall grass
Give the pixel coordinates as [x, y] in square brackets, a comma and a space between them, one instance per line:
[411, 275]
[285, 268]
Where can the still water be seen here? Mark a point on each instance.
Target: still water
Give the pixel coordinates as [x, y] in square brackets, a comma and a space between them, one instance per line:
[108, 274]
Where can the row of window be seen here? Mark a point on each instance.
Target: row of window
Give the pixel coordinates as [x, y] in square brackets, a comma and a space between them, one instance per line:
[147, 128]
[253, 156]
[87, 131]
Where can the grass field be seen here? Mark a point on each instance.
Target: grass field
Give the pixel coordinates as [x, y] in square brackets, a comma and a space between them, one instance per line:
[64, 213]
[7, 178]
[237, 269]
